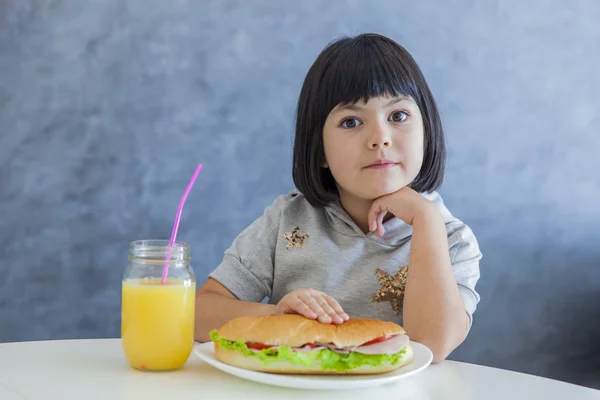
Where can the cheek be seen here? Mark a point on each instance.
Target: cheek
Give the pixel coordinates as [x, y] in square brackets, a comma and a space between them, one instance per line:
[413, 150]
[418, 147]
[338, 153]
[342, 163]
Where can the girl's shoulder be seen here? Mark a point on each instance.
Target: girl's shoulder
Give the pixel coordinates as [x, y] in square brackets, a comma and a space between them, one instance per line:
[292, 203]
[461, 238]
[287, 214]
[436, 199]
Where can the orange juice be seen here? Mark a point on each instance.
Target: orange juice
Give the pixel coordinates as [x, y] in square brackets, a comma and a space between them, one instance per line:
[157, 328]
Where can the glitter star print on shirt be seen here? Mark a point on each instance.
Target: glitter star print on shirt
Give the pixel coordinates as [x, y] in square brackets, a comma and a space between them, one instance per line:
[295, 238]
[392, 288]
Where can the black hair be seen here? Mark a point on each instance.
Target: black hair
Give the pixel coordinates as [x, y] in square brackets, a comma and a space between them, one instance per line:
[349, 70]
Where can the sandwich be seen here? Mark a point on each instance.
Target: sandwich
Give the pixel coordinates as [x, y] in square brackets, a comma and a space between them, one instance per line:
[293, 344]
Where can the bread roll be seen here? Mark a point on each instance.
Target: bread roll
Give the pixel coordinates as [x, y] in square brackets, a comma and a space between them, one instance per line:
[295, 331]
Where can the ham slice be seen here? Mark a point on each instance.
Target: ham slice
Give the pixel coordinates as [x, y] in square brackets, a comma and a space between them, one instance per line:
[393, 345]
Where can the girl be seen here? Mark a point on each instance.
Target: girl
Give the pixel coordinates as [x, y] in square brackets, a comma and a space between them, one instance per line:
[366, 234]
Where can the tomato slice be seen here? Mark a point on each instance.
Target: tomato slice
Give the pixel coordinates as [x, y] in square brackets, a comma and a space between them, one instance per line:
[377, 340]
[311, 345]
[257, 346]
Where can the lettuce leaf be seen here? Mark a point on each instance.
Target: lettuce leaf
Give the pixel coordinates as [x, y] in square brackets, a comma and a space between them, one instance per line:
[329, 359]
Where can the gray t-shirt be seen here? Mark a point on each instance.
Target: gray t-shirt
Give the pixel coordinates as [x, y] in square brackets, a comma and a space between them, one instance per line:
[294, 245]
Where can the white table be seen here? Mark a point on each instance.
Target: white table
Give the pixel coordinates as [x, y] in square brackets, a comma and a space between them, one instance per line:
[97, 369]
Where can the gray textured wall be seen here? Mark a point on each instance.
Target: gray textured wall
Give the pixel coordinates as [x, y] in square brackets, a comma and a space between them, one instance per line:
[106, 106]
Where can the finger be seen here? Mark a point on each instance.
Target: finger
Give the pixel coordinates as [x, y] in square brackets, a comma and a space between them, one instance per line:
[377, 208]
[333, 303]
[303, 309]
[372, 218]
[314, 305]
[329, 310]
[380, 229]
[338, 317]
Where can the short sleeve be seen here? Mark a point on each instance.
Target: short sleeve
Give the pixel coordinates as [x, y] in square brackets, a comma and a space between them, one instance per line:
[465, 256]
[247, 266]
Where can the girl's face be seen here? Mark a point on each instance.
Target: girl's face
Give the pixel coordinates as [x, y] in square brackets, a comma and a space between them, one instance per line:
[374, 148]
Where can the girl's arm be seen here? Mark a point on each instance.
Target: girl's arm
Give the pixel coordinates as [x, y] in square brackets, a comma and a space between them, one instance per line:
[215, 305]
[434, 312]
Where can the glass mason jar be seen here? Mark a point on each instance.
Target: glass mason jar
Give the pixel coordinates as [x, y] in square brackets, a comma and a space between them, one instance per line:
[157, 318]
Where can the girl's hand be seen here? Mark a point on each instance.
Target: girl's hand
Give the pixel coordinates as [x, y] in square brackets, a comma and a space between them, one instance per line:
[313, 304]
[405, 204]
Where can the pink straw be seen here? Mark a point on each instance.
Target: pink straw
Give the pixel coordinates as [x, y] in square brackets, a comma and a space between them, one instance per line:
[177, 218]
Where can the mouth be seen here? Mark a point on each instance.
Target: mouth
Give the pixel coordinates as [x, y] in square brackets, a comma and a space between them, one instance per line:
[381, 164]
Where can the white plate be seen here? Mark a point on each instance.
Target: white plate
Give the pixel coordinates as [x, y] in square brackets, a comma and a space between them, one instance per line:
[421, 359]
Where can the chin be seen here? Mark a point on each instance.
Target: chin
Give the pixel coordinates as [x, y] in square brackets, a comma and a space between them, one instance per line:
[378, 192]
[389, 187]
[374, 189]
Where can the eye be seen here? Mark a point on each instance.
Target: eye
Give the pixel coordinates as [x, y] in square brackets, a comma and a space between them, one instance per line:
[399, 116]
[350, 123]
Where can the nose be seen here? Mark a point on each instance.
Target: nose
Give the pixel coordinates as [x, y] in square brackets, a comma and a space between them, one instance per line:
[379, 138]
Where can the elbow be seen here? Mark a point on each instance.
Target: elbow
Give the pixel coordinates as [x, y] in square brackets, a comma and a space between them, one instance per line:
[439, 355]
[200, 336]
[441, 342]
[441, 348]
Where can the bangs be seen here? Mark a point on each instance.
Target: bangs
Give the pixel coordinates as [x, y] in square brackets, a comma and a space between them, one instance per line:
[362, 69]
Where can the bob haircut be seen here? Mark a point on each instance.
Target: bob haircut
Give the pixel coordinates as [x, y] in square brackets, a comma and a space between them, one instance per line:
[347, 71]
